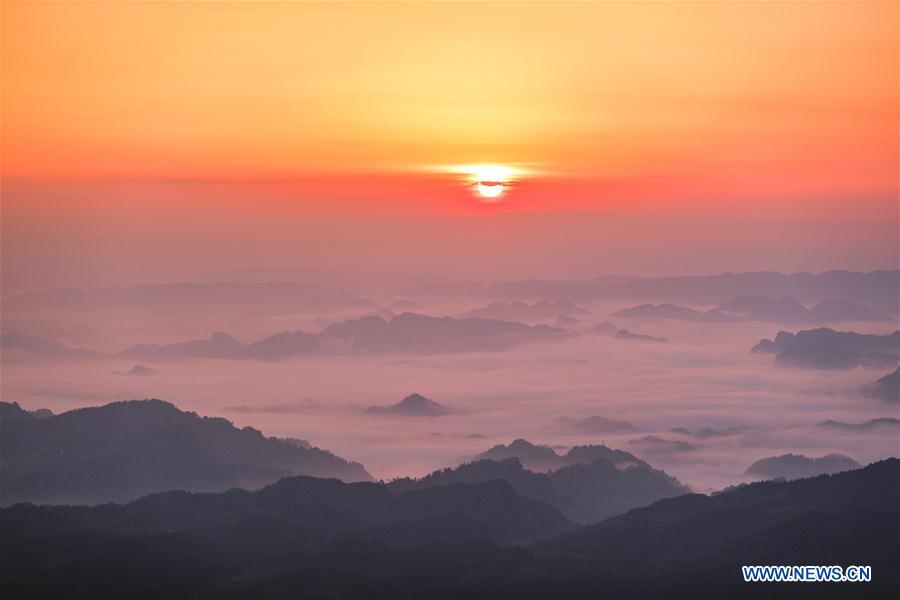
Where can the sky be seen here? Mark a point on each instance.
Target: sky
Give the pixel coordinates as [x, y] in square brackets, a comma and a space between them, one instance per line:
[186, 126]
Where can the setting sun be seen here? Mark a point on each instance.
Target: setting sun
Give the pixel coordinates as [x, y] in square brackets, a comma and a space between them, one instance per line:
[490, 189]
[489, 181]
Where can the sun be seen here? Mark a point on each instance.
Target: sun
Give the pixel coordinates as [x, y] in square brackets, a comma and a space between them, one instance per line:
[489, 189]
[488, 181]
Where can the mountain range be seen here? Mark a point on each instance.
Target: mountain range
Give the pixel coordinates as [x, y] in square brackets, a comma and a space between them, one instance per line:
[886, 389]
[757, 307]
[304, 537]
[825, 348]
[796, 466]
[125, 450]
[405, 333]
[585, 492]
[876, 290]
[543, 458]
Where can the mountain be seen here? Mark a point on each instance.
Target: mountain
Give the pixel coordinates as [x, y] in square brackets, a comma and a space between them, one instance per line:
[651, 444]
[841, 310]
[706, 433]
[795, 466]
[883, 423]
[786, 309]
[670, 311]
[305, 537]
[11, 411]
[124, 450]
[531, 456]
[876, 290]
[584, 492]
[414, 405]
[542, 310]
[536, 486]
[283, 345]
[759, 307]
[596, 425]
[405, 333]
[179, 544]
[782, 340]
[219, 345]
[829, 349]
[851, 518]
[624, 334]
[139, 371]
[412, 333]
[600, 490]
[542, 458]
[15, 344]
[886, 389]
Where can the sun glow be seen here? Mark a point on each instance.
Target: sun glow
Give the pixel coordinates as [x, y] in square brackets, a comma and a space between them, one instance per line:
[490, 189]
[489, 181]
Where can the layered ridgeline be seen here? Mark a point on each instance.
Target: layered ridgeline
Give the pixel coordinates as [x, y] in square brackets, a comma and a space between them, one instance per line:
[124, 450]
[886, 389]
[406, 333]
[543, 458]
[585, 492]
[877, 290]
[305, 537]
[825, 348]
[796, 466]
[757, 307]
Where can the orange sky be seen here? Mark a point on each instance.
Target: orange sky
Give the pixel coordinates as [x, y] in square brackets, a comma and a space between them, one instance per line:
[615, 102]
[142, 138]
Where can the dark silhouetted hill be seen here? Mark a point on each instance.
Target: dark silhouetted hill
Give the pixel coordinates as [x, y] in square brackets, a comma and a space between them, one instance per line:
[829, 349]
[694, 546]
[414, 405]
[542, 458]
[11, 411]
[796, 466]
[584, 492]
[175, 544]
[320, 538]
[886, 389]
[125, 450]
